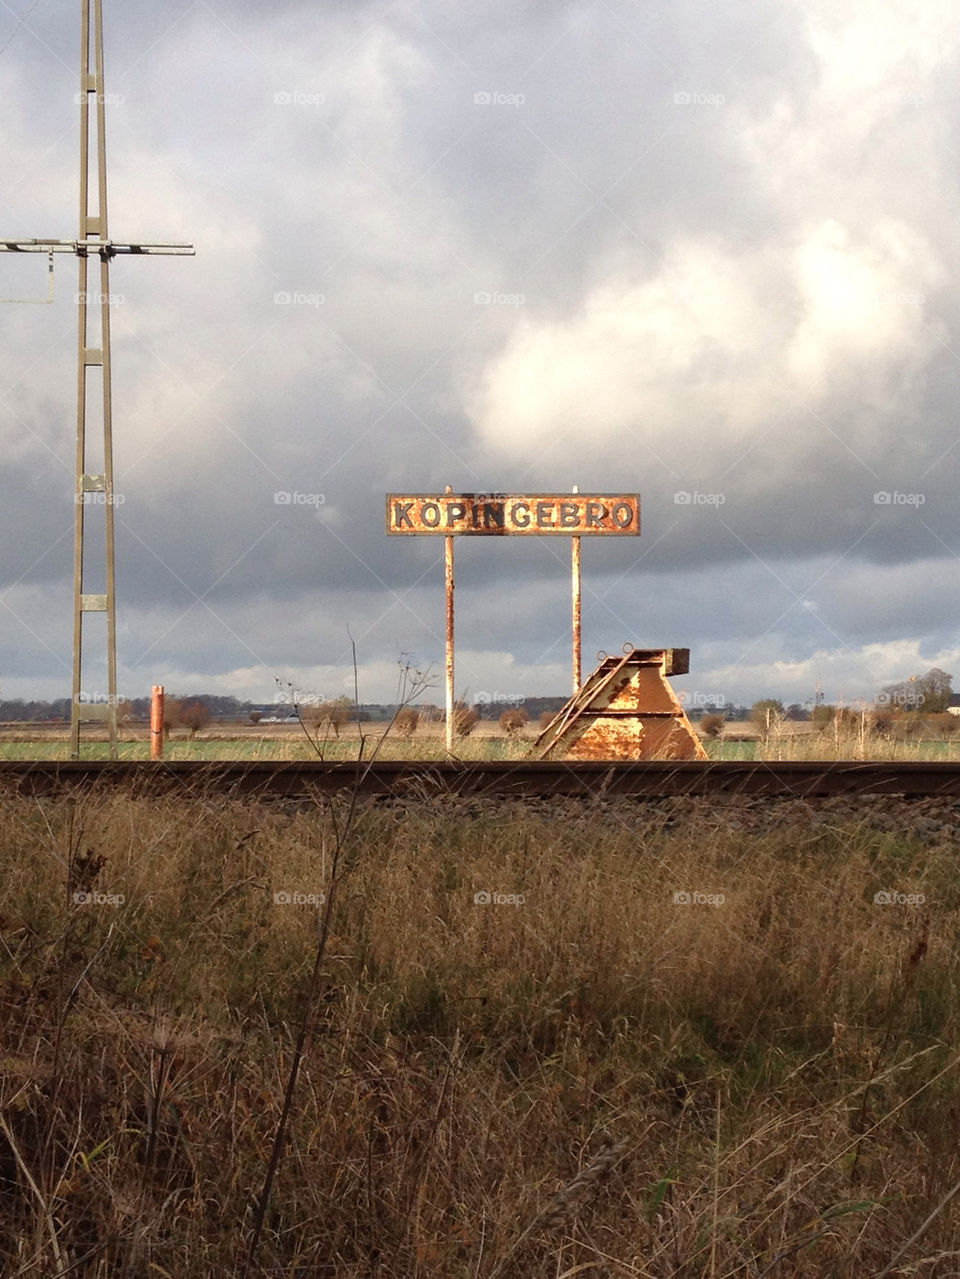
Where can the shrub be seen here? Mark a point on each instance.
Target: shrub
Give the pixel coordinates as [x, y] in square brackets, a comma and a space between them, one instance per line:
[822, 717]
[712, 726]
[943, 724]
[337, 713]
[326, 715]
[195, 716]
[408, 717]
[882, 720]
[766, 713]
[514, 720]
[172, 709]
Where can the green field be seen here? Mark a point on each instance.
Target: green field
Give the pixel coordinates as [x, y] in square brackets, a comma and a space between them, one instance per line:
[819, 748]
[429, 746]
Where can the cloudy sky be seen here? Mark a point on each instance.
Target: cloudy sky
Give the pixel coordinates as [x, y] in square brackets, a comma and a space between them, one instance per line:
[702, 251]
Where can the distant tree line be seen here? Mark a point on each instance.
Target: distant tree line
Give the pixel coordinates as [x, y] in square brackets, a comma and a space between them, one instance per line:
[231, 709]
[20, 710]
[907, 708]
[927, 694]
[134, 708]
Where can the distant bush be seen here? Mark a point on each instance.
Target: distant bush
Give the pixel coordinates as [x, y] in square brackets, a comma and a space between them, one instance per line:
[712, 726]
[943, 724]
[172, 709]
[195, 716]
[514, 720]
[766, 714]
[323, 716]
[405, 724]
[882, 720]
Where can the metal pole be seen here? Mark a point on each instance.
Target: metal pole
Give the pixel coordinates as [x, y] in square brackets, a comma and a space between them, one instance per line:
[78, 494]
[107, 386]
[156, 722]
[575, 553]
[448, 574]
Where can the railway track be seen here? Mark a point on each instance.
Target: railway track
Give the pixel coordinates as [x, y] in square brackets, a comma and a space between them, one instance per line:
[494, 779]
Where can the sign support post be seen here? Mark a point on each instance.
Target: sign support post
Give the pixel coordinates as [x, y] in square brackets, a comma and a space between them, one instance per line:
[575, 554]
[448, 575]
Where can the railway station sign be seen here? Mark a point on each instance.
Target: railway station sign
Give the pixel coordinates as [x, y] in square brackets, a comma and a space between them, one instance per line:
[513, 514]
[449, 515]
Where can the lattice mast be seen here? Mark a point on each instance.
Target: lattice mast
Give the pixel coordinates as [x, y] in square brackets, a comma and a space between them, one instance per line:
[94, 489]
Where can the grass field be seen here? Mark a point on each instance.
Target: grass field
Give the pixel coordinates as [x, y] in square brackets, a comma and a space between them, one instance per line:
[792, 742]
[586, 1074]
[289, 746]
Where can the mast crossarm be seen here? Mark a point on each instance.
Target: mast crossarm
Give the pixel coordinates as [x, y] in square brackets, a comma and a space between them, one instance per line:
[105, 248]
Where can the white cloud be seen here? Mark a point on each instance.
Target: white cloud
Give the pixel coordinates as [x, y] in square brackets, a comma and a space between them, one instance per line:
[718, 338]
[844, 675]
[863, 300]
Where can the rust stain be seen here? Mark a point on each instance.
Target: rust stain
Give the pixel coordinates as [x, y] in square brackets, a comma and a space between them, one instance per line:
[513, 514]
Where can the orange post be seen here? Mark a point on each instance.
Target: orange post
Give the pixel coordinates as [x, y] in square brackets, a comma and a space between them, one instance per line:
[156, 722]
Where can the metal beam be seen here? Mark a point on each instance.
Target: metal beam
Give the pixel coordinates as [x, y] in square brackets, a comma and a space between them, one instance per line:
[104, 248]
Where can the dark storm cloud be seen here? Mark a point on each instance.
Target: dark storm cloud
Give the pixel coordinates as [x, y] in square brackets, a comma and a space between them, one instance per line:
[716, 267]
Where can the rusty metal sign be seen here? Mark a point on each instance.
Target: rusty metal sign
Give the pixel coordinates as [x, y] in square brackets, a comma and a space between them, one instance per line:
[449, 515]
[512, 514]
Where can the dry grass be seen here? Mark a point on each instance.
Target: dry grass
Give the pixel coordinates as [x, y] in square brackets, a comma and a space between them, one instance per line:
[596, 1081]
[857, 740]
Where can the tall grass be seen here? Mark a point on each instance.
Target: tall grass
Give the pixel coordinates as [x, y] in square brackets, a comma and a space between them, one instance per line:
[600, 1079]
[855, 737]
